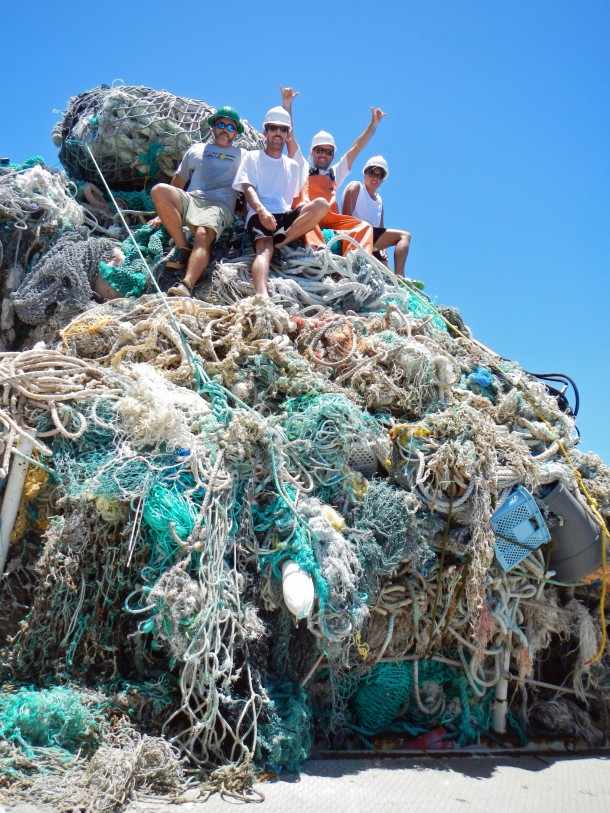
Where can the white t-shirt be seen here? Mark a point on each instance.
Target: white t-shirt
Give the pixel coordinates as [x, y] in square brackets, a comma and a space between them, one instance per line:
[368, 208]
[209, 172]
[276, 180]
[340, 169]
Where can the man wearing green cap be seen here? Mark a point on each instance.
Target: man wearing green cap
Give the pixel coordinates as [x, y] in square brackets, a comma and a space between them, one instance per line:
[208, 207]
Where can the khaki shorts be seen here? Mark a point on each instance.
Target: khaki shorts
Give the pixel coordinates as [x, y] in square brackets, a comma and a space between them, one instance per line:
[199, 212]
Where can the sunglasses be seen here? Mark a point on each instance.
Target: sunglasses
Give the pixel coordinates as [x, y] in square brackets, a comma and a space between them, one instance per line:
[275, 127]
[379, 175]
[222, 126]
[324, 151]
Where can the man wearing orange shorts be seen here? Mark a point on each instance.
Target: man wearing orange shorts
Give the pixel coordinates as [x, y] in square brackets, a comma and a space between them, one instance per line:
[324, 181]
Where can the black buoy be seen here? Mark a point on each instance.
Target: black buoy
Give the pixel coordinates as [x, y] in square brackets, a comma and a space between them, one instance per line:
[578, 537]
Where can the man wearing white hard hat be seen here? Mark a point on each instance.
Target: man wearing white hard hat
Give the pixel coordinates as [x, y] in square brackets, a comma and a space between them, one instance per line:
[325, 179]
[270, 181]
[362, 200]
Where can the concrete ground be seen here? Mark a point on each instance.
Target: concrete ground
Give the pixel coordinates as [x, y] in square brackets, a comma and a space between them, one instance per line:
[524, 784]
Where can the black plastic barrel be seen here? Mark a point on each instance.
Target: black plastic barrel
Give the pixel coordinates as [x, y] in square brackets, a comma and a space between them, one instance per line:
[578, 538]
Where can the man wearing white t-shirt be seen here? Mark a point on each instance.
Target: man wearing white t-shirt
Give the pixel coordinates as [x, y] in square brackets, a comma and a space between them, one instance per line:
[364, 201]
[270, 181]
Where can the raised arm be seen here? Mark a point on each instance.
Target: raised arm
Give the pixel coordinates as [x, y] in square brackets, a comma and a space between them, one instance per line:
[350, 197]
[363, 139]
[288, 97]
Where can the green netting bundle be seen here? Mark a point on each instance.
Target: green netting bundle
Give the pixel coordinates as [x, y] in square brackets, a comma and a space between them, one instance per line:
[166, 509]
[334, 245]
[19, 167]
[417, 304]
[90, 467]
[50, 718]
[138, 201]
[385, 699]
[381, 694]
[130, 277]
[397, 523]
[284, 735]
[324, 428]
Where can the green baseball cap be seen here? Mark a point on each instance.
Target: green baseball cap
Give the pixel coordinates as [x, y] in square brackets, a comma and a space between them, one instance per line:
[227, 113]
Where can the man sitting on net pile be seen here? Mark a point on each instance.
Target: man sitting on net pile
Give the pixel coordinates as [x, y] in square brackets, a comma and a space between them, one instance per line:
[364, 202]
[208, 207]
[324, 181]
[270, 181]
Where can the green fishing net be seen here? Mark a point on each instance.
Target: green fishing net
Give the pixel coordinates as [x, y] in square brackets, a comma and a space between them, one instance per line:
[55, 717]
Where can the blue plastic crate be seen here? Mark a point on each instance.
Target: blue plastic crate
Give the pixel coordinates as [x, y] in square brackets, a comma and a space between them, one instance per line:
[518, 520]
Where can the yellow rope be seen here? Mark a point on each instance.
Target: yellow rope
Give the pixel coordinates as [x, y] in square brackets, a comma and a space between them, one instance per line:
[362, 647]
[35, 480]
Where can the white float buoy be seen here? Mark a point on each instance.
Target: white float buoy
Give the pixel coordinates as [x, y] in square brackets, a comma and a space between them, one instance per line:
[297, 587]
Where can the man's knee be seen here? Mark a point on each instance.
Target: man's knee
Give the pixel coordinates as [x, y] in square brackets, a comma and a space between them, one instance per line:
[264, 245]
[164, 194]
[204, 236]
[320, 206]
[402, 238]
[406, 239]
[159, 191]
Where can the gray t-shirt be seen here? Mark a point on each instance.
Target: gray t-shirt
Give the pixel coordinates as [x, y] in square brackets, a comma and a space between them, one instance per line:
[209, 172]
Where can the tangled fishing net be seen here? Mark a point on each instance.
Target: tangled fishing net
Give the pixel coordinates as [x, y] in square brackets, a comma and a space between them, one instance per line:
[63, 276]
[36, 204]
[180, 456]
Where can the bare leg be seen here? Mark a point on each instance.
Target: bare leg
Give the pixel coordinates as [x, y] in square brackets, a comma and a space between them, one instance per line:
[168, 204]
[260, 267]
[309, 216]
[401, 240]
[200, 255]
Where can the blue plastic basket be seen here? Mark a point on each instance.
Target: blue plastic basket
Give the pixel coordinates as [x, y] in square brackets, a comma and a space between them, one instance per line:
[521, 526]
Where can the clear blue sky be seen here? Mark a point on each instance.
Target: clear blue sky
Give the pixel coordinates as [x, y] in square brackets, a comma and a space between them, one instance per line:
[497, 135]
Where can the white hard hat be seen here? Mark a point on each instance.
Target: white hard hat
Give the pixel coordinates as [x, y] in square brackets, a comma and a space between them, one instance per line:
[322, 138]
[277, 115]
[377, 161]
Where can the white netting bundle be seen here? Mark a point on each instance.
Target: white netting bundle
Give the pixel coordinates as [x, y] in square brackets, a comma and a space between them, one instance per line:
[136, 134]
[35, 204]
[38, 197]
[301, 278]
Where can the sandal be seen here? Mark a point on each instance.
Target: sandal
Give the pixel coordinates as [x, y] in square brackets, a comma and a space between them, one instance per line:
[180, 261]
[181, 288]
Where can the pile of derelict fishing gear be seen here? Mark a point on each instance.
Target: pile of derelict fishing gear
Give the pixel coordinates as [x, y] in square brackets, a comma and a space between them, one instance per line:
[237, 532]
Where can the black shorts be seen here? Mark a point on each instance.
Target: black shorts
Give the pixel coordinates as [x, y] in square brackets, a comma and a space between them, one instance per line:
[377, 233]
[284, 221]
